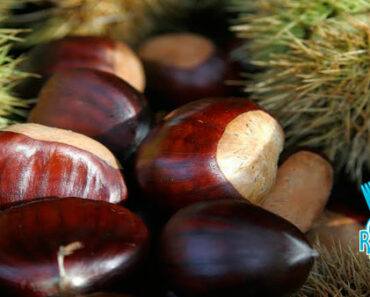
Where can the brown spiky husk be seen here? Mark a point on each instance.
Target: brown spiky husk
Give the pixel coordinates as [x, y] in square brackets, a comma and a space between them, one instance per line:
[316, 76]
[126, 20]
[340, 272]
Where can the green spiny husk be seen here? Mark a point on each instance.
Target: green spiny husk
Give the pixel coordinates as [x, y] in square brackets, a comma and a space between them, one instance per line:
[316, 78]
[11, 107]
[339, 272]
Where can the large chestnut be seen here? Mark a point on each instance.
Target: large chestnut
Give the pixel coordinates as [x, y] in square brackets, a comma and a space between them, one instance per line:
[184, 67]
[97, 104]
[62, 247]
[210, 149]
[235, 249]
[81, 52]
[38, 161]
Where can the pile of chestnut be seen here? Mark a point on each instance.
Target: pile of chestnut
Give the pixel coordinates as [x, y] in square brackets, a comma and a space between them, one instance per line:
[209, 210]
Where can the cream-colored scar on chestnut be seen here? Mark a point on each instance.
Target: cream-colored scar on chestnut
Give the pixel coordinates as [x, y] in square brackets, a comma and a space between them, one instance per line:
[184, 51]
[129, 66]
[80, 141]
[248, 153]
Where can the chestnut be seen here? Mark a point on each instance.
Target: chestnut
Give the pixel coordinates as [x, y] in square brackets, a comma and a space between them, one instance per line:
[302, 189]
[334, 229]
[98, 53]
[235, 249]
[105, 295]
[184, 67]
[38, 161]
[97, 104]
[210, 149]
[63, 247]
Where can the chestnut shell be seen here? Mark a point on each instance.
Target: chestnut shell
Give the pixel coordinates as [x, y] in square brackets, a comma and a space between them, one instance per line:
[114, 242]
[72, 52]
[97, 104]
[231, 248]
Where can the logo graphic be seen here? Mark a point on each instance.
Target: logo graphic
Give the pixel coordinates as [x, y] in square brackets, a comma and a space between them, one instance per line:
[366, 191]
[365, 234]
[365, 240]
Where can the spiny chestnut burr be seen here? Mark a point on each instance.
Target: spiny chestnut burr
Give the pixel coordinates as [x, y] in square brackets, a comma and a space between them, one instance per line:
[235, 249]
[81, 52]
[184, 67]
[210, 149]
[302, 189]
[64, 247]
[97, 104]
[38, 161]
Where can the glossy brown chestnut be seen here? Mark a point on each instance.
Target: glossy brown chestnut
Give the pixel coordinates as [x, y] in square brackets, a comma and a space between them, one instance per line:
[232, 248]
[184, 67]
[210, 149]
[60, 247]
[105, 295]
[81, 52]
[38, 161]
[97, 104]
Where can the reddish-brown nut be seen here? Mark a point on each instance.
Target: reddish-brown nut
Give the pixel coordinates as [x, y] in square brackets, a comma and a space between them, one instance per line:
[82, 52]
[105, 295]
[64, 247]
[97, 104]
[333, 228]
[302, 189]
[184, 67]
[210, 149]
[231, 248]
[38, 161]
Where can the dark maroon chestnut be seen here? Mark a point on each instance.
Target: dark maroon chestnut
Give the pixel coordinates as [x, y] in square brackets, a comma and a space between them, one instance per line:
[235, 249]
[210, 149]
[97, 104]
[38, 161]
[81, 52]
[184, 67]
[105, 295]
[63, 247]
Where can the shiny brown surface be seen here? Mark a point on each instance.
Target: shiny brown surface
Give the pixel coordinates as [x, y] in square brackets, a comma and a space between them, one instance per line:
[81, 52]
[176, 164]
[97, 104]
[105, 295]
[231, 248]
[113, 240]
[31, 168]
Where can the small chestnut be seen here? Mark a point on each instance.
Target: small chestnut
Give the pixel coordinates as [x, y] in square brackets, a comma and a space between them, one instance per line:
[97, 104]
[210, 149]
[333, 229]
[184, 67]
[64, 247]
[38, 161]
[81, 52]
[235, 249]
